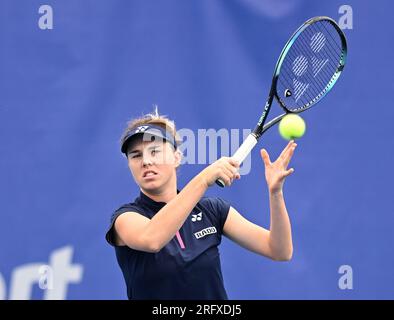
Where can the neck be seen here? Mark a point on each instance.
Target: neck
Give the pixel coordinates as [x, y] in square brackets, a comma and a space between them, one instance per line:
[164, 196]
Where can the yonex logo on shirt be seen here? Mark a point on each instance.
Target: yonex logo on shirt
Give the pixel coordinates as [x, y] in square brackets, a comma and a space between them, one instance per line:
[205, 232]
[197, 217]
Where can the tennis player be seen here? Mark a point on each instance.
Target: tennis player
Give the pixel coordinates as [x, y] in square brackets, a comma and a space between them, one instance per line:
[166, 240]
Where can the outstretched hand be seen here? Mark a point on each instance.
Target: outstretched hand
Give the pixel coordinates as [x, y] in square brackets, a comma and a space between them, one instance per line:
[276, 172]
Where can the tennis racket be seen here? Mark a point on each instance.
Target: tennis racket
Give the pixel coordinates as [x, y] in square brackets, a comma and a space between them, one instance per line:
[308, 67]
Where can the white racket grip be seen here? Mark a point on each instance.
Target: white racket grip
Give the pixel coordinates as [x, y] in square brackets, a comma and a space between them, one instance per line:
[245, 148]
[241, 153]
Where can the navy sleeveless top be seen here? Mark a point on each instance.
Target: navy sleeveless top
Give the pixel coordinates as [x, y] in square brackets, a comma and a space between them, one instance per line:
[188, 267]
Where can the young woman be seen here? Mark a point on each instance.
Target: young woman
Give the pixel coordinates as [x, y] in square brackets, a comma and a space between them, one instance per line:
[166, 241]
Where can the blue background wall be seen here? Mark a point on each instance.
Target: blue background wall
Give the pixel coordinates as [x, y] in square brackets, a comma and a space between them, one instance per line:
[66, 94]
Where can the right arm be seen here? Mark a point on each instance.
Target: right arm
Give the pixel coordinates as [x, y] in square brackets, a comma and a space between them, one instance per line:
[144, 234]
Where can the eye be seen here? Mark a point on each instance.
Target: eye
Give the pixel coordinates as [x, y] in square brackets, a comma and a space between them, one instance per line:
[155, 151]
[136, 155]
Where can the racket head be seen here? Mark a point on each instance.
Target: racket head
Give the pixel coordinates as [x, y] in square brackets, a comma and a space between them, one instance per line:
[310, 64]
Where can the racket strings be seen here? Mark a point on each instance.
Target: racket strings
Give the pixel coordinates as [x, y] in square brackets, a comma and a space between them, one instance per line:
[334, 54]
[304, 94]
[299, 88]
[322, 69]
[302, 44]
[313, 29]
[333, 33]
[289, 71]
[308, 75]
[319, 48]
[329, 32]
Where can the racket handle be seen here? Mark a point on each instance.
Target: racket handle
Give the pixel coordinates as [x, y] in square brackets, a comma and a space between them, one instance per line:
[241, 153]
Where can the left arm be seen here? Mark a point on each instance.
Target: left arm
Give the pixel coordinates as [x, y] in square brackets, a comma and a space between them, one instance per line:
[275, 243]
[280, 240]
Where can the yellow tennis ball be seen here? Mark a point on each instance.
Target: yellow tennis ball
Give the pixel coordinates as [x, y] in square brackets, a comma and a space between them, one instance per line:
[292, 126]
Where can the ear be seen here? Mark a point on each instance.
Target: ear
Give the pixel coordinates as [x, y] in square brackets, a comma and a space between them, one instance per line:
[178, 158]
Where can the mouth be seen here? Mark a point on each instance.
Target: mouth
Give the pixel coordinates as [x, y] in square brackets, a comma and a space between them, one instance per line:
[149, 174]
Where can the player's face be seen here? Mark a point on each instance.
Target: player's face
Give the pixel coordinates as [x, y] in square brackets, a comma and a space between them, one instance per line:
[153, 164]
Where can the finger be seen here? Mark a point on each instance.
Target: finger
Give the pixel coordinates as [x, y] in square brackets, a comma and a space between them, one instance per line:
[229, 171]
[286, 149]
[230, 181]
[231, 168]
[288, 172]
[229, 163]
[289, 155]
[225, 179]
[265, 156]
[235, 176]
[234, 162]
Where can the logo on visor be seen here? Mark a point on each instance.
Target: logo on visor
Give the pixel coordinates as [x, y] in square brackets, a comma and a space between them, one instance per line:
[197, 217]
[141, 129]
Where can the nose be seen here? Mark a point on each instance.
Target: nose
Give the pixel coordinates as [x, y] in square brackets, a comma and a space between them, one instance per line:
[146, 160]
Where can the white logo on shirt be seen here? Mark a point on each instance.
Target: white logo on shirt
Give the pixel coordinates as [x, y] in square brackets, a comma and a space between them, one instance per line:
[205, 232]
[197, 217]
